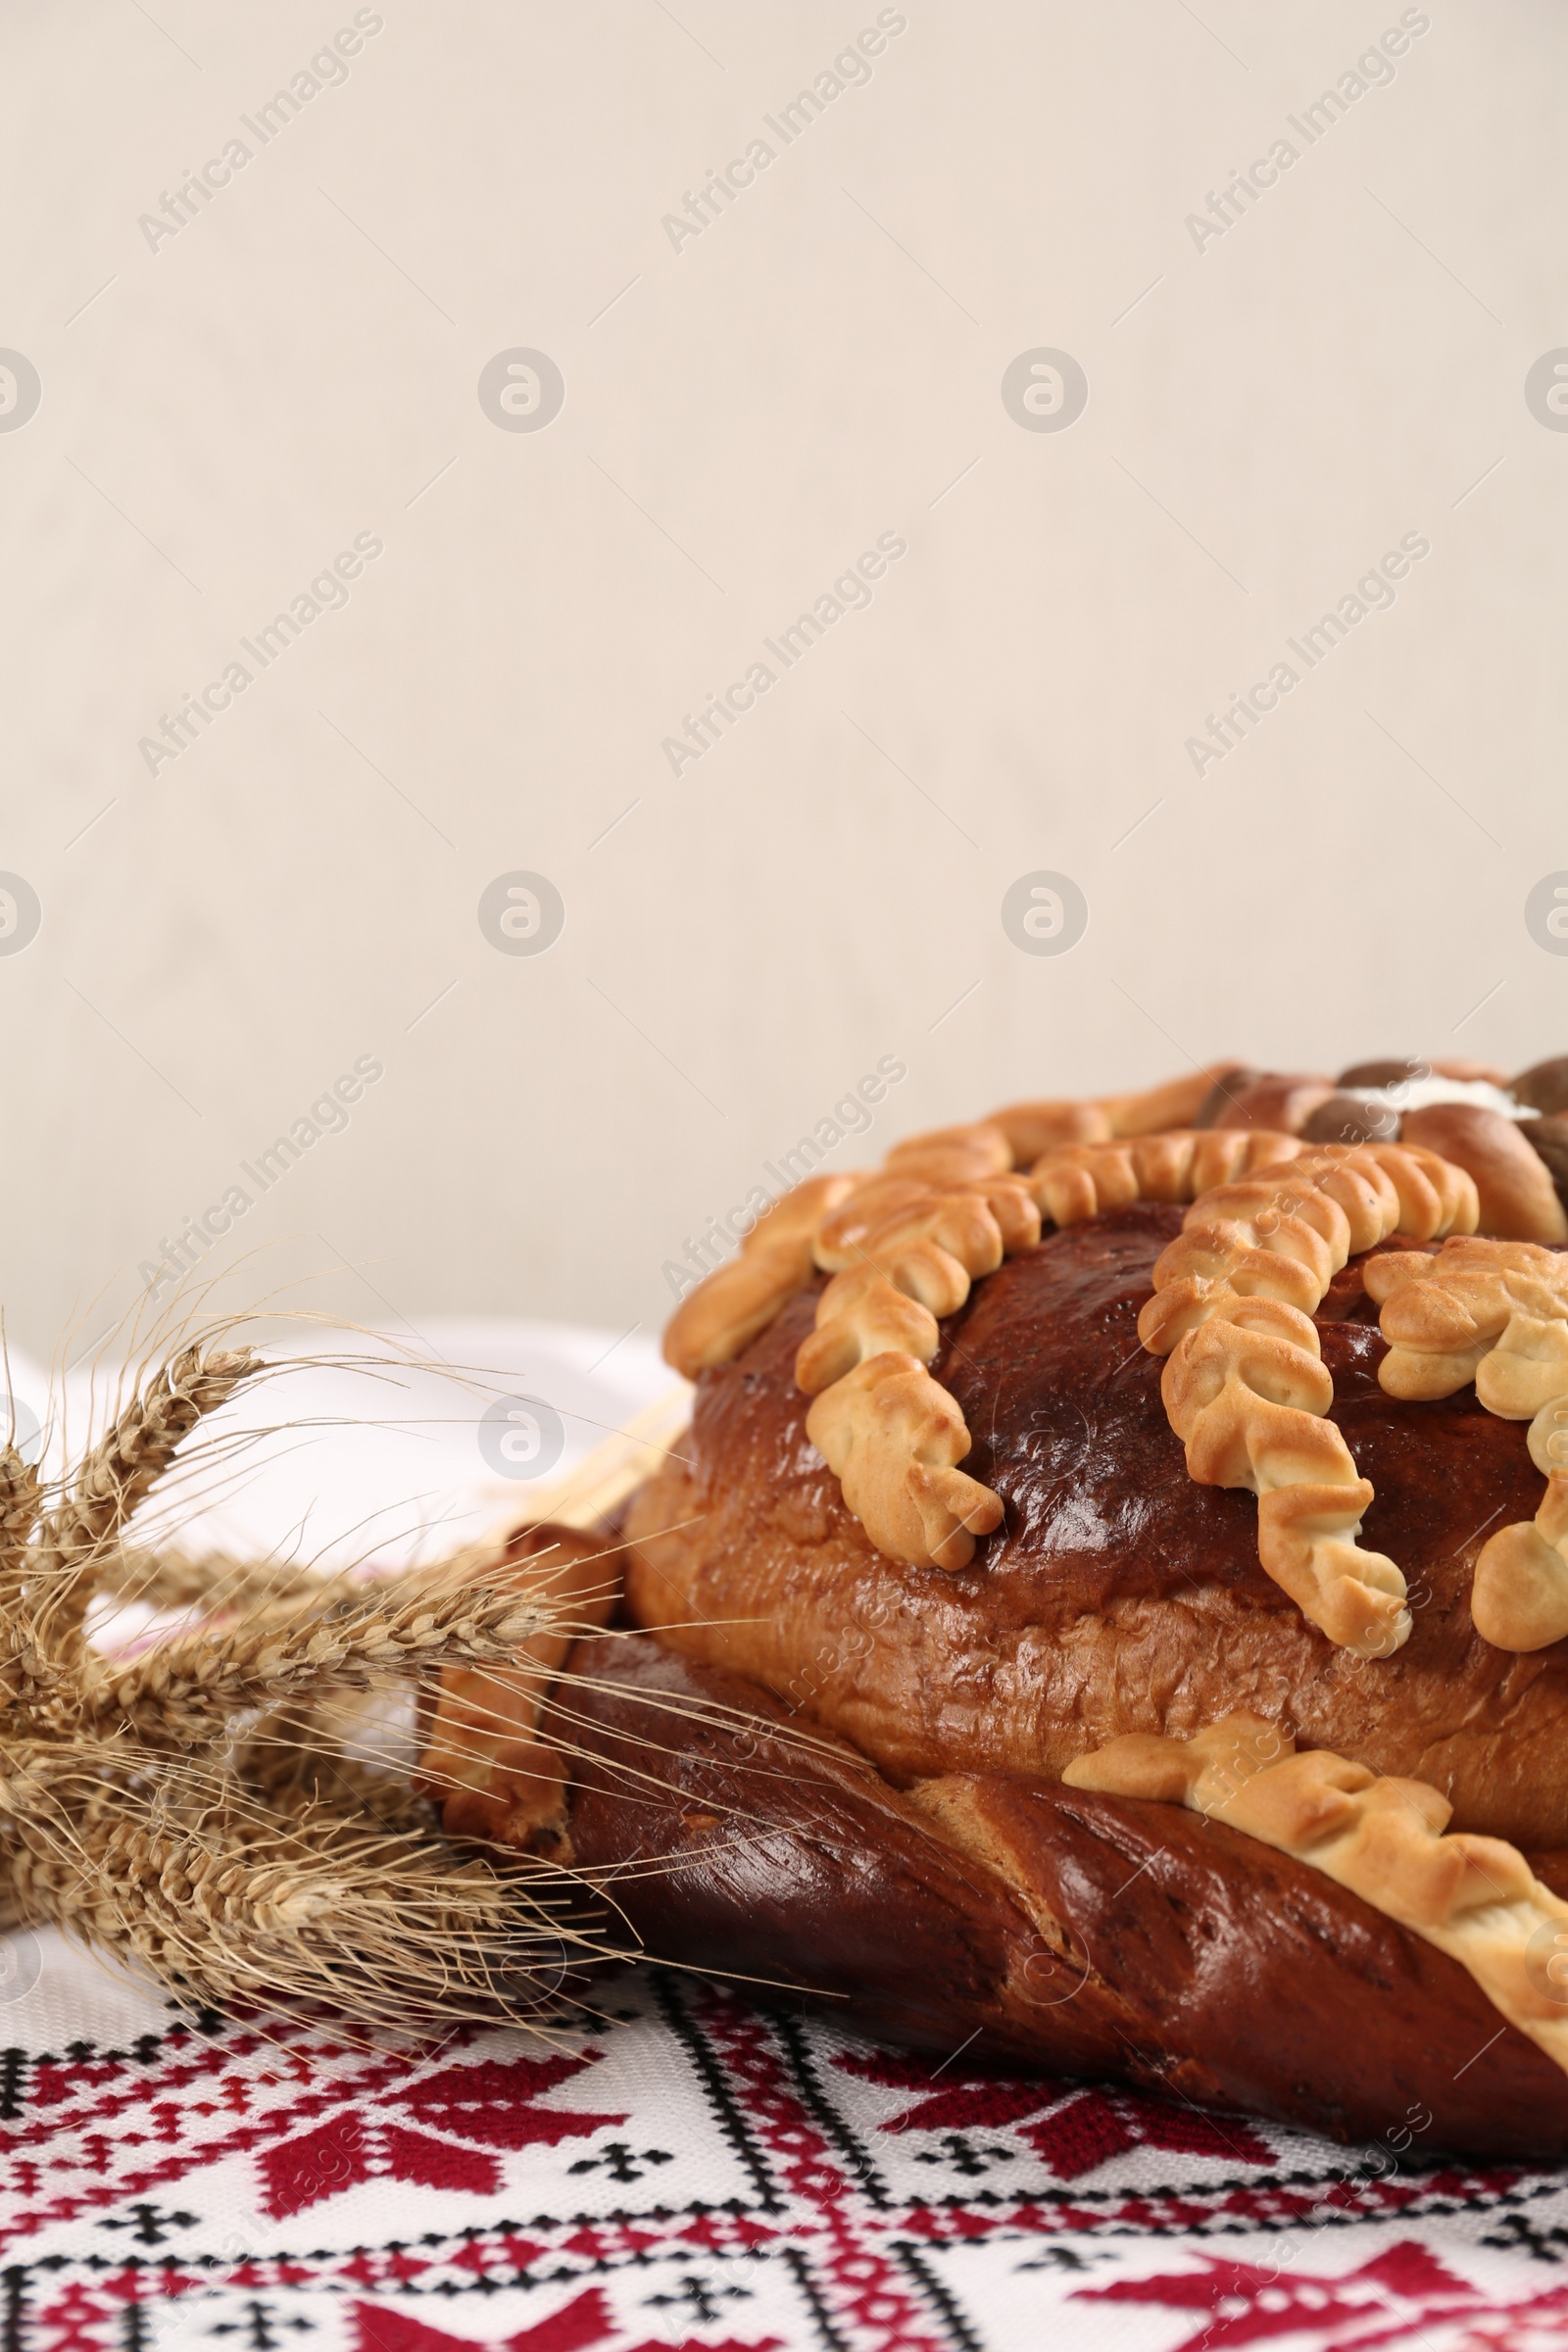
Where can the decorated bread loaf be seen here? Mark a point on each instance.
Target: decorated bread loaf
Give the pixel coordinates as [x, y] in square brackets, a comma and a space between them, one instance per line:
[1113, 1601]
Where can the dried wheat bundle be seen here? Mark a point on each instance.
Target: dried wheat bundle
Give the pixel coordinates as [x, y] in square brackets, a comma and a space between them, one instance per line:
[187, 1808]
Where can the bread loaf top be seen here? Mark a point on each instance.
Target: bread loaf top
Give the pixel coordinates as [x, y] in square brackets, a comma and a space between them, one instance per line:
[1117, 1594]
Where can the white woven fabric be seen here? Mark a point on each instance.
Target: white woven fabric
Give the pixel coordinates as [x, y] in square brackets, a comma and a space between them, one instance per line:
[680, 2167]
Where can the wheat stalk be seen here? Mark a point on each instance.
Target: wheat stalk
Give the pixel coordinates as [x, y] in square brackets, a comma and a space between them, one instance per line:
[171, 1580]
[19, 1508]
[316, 1910]
[117, 1476]
[193, 1812]
[187, 1689]
[291, 1762]
[137, 1810]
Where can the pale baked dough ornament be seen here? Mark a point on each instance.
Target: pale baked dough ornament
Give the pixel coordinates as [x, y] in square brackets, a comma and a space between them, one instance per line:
[1272, 1223]
[1496, 1314]
[1386, 1839]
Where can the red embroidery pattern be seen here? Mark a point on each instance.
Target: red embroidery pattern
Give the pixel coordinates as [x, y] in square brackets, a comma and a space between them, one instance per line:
[583, 2325]
[1397, 2298]
[489, 2103]
[691, 2174]
[1085, 2128]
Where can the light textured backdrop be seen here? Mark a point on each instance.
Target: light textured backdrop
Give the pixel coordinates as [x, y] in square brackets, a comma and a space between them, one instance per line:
[230, 402]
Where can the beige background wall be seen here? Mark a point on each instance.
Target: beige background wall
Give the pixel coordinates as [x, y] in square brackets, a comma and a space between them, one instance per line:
[224, 409]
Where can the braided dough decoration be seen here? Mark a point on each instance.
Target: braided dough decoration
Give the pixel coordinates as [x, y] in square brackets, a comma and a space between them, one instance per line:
[902, 1254]
[891, 1433]
[1077, 1179]
[1032, 1128]
[1245, 1389]
[1476, 1898]
[905, 1243]
[1494, 1312]
[902, 1258]
[730, 1308]
[1285, 1233]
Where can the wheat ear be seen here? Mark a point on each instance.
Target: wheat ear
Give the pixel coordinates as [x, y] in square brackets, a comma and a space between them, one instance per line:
[293, 1762]
[255, 1862]
[19, 1508]
[385, 1930]
[117, 1476]
[185, 1691]
[174, 1580]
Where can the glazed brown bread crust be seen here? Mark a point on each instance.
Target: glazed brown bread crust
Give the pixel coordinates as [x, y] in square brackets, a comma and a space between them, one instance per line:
[1088, 1935]
[1120, 1595]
